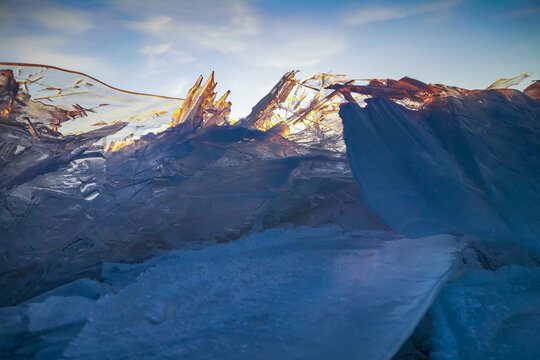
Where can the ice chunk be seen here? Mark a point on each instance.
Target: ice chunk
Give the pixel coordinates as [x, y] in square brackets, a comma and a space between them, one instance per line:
[60, 96]
[90, 289]
[461, 164]
[43, 326]
[201, 107]
[58, 311]
[533, 90]
[299, 293]
[489, 315]
[506, 83]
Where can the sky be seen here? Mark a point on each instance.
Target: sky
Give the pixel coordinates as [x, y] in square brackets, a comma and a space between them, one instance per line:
[161, 47]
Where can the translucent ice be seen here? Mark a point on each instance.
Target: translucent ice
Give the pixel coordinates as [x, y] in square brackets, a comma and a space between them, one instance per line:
[91, 174]
[82, 183]
[505, 83]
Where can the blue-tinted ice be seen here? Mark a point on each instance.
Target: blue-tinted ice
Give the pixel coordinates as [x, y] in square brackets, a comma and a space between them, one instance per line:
[296, 293]
[468, 164]
[97, 185]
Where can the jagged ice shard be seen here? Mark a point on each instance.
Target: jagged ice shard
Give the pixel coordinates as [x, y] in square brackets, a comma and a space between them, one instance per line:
[382, 192]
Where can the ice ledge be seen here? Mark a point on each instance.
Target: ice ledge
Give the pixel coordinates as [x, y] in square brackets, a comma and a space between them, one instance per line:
[310, 293]
[284, 293]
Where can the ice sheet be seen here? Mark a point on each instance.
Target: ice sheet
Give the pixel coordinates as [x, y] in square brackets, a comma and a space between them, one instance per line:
[290, 294]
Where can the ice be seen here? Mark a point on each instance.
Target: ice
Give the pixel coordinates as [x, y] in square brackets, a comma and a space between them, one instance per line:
[505, 83]
[462, 164]
[89, 289]
[69, 202]
[43, 326]
[533, 90]
[99, 185]
[289, 293]
[489, 315]
[52, 312]
[298, 293]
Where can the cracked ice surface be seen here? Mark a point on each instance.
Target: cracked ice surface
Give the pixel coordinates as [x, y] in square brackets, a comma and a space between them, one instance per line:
[283, 293]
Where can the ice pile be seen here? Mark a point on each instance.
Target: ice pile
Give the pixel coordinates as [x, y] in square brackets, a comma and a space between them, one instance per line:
[113, 206]
[72, 200]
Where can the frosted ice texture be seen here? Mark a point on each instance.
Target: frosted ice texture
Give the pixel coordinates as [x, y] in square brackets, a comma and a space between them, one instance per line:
[489, 315]
[297, 293]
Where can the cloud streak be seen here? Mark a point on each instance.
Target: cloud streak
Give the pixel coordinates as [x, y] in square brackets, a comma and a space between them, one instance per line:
[57, 19]
[367, 15]
[225, 28]
[291, 46]
[235, 30]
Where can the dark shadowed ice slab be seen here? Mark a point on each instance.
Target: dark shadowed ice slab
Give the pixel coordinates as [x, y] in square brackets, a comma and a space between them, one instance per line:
[461, 164]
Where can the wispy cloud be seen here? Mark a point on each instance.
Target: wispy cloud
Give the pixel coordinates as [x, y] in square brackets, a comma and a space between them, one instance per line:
[369, 14]
[234, 29]
[225, 28]
[189, 30]
[151, 25]
[295, 45]
[58, 19]
[47, 33]
[161, 55]
[47, 17]
[49, 50]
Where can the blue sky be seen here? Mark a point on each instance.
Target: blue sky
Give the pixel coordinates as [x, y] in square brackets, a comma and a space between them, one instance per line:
[162, 46]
